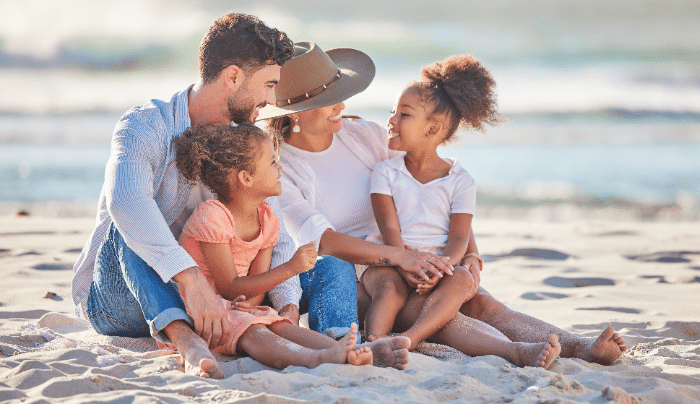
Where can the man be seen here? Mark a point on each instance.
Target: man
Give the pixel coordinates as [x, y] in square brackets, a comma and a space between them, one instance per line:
[130, 276]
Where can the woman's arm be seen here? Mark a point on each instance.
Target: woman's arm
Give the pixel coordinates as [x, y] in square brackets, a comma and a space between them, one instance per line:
[358, 251]
[387, 219]
[228, 284]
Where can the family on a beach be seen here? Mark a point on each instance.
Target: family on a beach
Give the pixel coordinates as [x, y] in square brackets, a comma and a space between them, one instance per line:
[201, 214]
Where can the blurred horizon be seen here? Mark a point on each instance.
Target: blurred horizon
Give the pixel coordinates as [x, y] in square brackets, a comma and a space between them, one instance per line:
[591, 81]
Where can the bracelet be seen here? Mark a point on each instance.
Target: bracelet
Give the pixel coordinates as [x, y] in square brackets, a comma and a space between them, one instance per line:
[478, 257]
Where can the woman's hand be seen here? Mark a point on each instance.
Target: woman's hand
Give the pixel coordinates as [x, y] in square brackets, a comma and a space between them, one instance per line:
[304, 258]
[423, 266]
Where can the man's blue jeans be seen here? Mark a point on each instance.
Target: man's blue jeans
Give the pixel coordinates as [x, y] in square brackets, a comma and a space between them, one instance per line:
[127, 297]
[329, 295]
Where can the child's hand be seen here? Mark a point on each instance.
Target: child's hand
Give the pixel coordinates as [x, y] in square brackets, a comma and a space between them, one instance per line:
[427, 286]
[304, 258]
[241, 304]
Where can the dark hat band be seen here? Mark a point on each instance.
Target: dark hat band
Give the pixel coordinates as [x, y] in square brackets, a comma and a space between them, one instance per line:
[310, 94]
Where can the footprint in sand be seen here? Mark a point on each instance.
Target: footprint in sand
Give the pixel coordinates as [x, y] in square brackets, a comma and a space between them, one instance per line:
[664, 256]
[535, 253]
[616, 309]
[678, 279]
[561, 282]
[543, 296]
[73, 251]
[53, 267]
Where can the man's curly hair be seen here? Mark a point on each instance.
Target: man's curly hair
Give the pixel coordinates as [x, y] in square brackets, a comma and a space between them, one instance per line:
[242, 40]
[461, 89]
[210, 153]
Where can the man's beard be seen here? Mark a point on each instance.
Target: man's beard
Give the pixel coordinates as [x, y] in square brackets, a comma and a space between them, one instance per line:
[241, 112]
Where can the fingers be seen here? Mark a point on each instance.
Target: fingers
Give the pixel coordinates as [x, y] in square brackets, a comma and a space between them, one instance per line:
[215, 334]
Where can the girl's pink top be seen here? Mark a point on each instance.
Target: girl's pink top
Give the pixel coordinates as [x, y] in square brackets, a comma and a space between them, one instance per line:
[212, 222]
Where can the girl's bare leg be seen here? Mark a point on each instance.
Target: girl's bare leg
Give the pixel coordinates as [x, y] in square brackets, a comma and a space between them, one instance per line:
[389, 292]
[523, 328]
[440, 307]
[314, 340]
[275, 351]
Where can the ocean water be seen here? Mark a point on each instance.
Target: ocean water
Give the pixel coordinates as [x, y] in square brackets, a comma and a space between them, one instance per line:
[602, 98]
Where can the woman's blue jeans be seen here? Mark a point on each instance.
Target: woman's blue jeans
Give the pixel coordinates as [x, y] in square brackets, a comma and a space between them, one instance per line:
[329, 294]
[127, 297]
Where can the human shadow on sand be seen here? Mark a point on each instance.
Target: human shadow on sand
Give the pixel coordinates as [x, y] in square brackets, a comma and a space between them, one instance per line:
[561, 282]
[534, 253]
[664, 256]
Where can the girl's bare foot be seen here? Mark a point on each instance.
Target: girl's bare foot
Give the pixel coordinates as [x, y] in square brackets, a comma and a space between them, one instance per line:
[340, 351]
[361, 356]
[605, 349]
[390, 351]
[538, 354]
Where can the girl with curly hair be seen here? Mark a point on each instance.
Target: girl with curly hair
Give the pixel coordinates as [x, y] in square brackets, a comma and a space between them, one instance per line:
[231, 240]
[424, 202]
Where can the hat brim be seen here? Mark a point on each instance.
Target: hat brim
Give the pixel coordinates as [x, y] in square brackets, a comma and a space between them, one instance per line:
[357, 72]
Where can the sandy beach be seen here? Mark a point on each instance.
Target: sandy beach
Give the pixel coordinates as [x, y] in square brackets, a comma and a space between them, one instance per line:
[641, 277]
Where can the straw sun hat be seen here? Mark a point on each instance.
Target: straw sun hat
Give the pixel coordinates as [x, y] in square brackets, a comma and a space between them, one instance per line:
[313, 79]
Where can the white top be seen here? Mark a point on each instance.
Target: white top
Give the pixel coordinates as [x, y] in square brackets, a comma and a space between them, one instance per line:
[424, 209]
[147, 198]
[330, 189]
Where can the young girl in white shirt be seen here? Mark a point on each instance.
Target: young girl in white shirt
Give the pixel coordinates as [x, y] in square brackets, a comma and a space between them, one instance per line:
[423, 202]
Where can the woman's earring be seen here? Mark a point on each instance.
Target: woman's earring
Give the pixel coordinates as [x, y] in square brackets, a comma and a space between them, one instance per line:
[296, 128]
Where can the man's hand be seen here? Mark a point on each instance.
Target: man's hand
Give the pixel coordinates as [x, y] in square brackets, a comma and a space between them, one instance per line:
[204, 306]
[291, 312]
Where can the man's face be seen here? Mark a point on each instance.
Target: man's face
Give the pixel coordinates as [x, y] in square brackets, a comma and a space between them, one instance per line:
[257, 90]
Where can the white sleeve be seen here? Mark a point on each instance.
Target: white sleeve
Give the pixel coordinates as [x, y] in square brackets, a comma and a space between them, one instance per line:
[464, 195]
[380, 180]
[136, 149]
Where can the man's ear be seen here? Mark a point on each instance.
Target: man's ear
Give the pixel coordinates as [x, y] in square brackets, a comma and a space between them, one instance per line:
[233, 76]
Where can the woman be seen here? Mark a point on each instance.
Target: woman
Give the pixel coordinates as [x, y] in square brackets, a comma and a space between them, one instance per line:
[327, 163]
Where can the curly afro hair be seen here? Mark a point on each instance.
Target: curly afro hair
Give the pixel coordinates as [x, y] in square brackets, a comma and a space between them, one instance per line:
[210, 153]
[461, 89]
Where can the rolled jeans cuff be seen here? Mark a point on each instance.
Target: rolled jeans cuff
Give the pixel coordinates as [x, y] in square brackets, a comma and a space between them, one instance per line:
[166, 317]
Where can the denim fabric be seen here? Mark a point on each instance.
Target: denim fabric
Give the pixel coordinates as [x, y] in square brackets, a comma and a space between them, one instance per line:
[329, 295]
[127, 297]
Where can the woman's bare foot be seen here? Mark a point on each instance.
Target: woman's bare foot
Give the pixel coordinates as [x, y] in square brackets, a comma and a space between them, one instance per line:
[390, 351]
[361, 356]
[605, 349]
[538, 354]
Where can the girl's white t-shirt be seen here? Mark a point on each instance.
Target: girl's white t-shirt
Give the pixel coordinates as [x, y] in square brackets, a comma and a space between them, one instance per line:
[424, 209]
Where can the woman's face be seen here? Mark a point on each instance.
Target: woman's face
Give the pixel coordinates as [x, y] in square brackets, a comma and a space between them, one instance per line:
[408, 124]
[320, 121]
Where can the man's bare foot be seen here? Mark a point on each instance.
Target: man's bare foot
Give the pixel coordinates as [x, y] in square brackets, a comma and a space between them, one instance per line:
[361, 356]
[605, 349]
[339, 352]
[195, 354]
[198, 360]
[390, 351]
[538, 354]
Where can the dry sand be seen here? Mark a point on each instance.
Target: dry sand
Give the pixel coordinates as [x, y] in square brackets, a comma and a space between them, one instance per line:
[641, 277]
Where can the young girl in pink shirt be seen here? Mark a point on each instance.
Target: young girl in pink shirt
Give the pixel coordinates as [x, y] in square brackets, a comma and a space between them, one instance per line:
[231, 239]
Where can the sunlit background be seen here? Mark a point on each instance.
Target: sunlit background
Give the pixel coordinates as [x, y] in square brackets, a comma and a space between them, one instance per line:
[602, 97]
